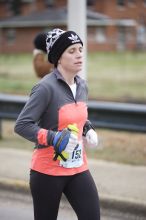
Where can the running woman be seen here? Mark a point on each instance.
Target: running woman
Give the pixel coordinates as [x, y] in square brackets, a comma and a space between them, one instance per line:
[55, 118]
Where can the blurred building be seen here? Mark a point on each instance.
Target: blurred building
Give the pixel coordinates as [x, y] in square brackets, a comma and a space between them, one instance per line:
[112, 25]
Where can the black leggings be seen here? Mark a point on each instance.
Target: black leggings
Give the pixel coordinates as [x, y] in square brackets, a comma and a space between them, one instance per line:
[79, 189]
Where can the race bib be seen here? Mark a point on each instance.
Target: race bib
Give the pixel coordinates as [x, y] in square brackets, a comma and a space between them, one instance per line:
[75, 158]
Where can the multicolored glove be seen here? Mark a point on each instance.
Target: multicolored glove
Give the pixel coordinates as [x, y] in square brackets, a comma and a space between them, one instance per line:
[61, 140]
[65, 142]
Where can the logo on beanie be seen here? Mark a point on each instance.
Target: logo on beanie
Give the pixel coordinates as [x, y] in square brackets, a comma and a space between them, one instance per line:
[74, 39]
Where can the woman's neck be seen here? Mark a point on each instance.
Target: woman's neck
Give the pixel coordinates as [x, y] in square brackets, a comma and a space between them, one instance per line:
[68, 76]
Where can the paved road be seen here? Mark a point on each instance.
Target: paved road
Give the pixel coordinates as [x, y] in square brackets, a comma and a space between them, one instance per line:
[17, 206]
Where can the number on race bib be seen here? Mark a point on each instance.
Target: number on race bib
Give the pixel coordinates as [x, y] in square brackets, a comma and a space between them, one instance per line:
[75, 158]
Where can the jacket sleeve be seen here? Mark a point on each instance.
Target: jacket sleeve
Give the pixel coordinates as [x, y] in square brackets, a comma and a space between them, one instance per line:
[27, 122]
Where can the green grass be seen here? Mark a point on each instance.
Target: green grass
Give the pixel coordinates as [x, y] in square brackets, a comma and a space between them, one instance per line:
[16, 74]
[121, 147]
[117, 76]
[117, 146]
[111, 76]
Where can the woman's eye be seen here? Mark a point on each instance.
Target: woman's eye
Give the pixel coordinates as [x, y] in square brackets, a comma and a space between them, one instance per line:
[71, 51]
[76, 50]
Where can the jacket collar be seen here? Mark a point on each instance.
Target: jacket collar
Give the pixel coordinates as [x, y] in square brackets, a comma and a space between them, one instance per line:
[60, 77]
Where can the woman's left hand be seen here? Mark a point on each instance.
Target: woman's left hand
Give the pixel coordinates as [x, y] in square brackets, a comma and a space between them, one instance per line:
[91, 139]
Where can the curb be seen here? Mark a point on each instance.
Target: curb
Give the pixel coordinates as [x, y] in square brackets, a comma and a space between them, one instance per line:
[112, 203]
[126, 206]
[18, 186]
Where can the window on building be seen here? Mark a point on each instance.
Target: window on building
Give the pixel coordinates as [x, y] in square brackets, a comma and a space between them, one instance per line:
[14, 6]
[27, 1]
[100, 35]
[90, 2]
[121, 2]
[131, 2]
[49, 3]
[121, 39]
[144, 2]
[130, 35]
[11, 36]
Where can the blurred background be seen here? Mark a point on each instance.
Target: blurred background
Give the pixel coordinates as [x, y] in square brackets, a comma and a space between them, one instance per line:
[116, 44]
[116, 66]
[116, 69]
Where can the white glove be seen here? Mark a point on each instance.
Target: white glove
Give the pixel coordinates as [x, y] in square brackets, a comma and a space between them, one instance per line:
[91, 139]
[73, 142]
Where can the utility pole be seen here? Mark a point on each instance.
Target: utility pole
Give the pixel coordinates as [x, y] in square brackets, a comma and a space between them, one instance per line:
[77, 22]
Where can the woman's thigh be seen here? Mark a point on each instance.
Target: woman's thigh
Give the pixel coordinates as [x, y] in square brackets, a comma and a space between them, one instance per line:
[46, 193]
[82, 194]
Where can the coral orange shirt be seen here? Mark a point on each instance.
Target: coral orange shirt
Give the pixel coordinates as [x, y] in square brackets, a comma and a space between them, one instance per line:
[52, 106]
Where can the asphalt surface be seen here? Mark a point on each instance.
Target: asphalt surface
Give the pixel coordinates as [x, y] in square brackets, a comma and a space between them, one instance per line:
[120, 187]
[16, 206]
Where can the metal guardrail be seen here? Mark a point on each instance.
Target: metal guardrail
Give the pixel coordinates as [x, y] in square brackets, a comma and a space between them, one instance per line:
[110, 115]
[121, 116]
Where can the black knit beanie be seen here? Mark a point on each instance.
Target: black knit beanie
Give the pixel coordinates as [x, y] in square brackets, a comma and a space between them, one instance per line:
[40, 41]
[58, 41]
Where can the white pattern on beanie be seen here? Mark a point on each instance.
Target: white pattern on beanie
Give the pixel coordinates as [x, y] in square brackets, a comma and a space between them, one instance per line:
[52, 37]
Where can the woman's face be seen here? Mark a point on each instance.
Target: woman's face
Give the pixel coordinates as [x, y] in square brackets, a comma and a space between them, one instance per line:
[72, 58]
